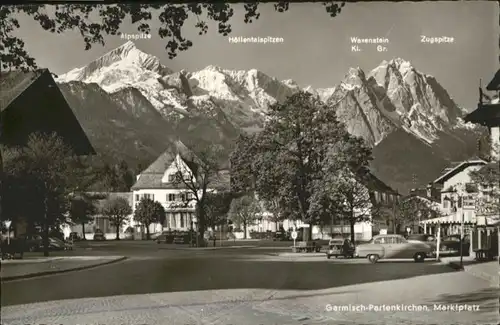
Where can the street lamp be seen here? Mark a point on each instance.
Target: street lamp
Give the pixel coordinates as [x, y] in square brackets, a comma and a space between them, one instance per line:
[460, 201]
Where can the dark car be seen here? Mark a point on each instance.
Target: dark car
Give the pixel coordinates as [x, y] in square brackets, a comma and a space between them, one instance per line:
[32, 243]
[340, 247]
[74, 236]
[421, 237]
[99, 235]
[166, 237]
[451, 244]
[183, 237]
[12, 247]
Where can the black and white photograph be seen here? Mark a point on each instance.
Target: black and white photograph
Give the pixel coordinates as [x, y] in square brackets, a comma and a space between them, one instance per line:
[266, 163]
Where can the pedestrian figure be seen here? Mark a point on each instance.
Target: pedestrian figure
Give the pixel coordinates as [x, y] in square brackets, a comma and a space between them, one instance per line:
[346, 247]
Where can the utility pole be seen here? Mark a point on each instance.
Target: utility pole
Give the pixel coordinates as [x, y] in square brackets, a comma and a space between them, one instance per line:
[461, 202]
[1, 169]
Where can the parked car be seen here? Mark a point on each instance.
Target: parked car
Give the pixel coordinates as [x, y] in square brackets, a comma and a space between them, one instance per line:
[99, 235]
[282, 235]
[74, 236]
[166, 237]
[451, 244]
[183, 237]
[32, 243]
[59, 245]
[393, 246]
[155, 235]
[12, 247]
[423, 238]
[336, 248]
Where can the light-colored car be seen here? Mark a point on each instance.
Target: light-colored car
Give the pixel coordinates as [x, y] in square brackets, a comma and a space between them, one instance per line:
[393, 246]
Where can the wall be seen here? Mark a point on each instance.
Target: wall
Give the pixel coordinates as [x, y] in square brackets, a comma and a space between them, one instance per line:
[175, 209]
[495, 142]
[457, 182]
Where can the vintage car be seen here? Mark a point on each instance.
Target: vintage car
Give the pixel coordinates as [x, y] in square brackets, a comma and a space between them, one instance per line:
[99, 235]
[451, 245]
[55, 244]
[393, 247]
[336, 248]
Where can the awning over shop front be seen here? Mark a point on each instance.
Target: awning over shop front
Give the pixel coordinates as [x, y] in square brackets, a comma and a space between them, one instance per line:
[446, 220]
[455, 220]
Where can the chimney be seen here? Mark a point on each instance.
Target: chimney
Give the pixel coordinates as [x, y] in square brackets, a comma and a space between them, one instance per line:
[137, 177]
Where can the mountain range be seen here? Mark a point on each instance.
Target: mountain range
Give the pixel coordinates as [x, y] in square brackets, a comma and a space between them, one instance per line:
[133, 108]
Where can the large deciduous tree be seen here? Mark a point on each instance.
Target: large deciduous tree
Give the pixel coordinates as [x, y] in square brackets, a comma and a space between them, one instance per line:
[117, 210]
[40, 177]
[149, 212]
[245, 211]
[301, 146]
[199, 172]
[345, 195]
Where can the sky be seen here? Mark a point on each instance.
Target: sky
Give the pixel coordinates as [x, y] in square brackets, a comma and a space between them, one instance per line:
[316, 50]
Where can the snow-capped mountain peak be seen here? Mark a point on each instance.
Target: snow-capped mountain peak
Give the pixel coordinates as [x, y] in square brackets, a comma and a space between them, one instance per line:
[392, 96]
[125, 57]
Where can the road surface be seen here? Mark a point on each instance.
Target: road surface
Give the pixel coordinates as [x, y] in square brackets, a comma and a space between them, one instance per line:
[243, 286]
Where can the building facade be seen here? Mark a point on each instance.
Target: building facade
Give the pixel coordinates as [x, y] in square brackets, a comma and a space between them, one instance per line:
[377, 192]
[102, 222]
[459, 198]
[158, 182]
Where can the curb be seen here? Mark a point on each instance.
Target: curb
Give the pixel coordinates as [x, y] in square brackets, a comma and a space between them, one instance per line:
[485, 276]
[207, 248]
[301, 254]
[494, 280]
[35, 275]
[31, 261]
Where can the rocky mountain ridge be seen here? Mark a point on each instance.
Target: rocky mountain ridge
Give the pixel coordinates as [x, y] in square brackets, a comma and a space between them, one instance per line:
[215, 104]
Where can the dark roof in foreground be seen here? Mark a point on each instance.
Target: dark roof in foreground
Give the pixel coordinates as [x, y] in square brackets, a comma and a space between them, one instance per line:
[32, 102]
[14, 83]
[485, 114]
[495, 82]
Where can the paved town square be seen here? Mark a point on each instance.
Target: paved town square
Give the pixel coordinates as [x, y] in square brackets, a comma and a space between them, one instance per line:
[247, 286]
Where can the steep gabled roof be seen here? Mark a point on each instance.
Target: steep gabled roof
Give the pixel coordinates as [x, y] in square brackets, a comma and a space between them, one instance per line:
[14, 83]
[494, 83]
[151, 177]
[161, 163]
[457, 169]
[485, 114]
[372, 183]
[32, 102]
